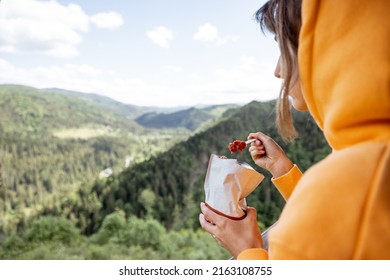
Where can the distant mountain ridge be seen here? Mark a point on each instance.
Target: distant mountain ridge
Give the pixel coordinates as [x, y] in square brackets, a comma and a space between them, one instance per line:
[101, 107]
[192, 118]
[27, 109]
[129, 110]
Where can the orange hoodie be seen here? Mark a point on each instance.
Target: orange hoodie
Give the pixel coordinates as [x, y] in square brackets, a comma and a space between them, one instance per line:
[340, 208]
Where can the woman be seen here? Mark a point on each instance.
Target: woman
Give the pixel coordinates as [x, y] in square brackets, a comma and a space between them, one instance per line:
[339, 209]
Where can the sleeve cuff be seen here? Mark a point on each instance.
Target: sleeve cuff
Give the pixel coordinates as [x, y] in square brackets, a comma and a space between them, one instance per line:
[287, 182]
[253, 254]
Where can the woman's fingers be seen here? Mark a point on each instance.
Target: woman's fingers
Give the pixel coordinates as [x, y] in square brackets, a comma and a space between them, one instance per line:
[209, 215]
[258, 135]
[256, 148]
[208, 220]
[258, 141]
[257, 151]
[207, 226]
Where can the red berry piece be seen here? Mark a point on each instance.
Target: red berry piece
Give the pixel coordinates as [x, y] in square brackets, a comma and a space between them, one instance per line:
[242, 146]
[236, 142]
[232, 148]
[237, 145]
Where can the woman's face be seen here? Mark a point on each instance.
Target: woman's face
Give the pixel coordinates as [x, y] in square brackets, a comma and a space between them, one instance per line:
[295, 93]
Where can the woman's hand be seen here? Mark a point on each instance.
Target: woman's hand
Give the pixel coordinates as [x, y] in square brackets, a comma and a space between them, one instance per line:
[267, 154]
[234, 235]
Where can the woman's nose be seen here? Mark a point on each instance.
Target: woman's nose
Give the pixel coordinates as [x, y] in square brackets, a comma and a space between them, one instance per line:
[277, 72]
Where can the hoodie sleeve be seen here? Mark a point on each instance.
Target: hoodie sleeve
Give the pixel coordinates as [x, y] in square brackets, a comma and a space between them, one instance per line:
[287, 182]
[253, 254]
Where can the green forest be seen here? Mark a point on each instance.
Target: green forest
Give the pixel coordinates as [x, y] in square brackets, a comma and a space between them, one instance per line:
[80, 179]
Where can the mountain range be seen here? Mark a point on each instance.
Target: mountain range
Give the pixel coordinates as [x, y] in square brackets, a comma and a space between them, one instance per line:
[22, 106]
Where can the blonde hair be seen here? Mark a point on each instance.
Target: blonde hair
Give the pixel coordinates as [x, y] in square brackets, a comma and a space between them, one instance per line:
[283, 18]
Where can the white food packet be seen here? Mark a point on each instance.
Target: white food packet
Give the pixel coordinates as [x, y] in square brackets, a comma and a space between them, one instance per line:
[228, 182]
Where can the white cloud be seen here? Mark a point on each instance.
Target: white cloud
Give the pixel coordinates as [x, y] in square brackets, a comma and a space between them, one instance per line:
[173, 68]
[47, 27]
[44, 27]
[206, 32]
[209, 33]
[242, 82]
[160, 36]
[109, 20]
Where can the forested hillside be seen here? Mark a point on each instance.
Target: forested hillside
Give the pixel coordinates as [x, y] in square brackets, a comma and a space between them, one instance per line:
[51, 145]
[55, 206]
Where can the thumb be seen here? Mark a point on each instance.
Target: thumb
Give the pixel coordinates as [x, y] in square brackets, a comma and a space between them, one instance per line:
[251, 213]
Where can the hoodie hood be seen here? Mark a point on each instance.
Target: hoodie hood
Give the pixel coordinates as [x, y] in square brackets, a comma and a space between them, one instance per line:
[345, 72]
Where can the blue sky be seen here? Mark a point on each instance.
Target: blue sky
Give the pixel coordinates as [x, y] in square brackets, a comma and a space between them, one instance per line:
[150, 53]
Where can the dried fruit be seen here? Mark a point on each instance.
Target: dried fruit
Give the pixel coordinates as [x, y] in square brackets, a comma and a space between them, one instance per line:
[233, 148]
[242, 145]
[237, 145]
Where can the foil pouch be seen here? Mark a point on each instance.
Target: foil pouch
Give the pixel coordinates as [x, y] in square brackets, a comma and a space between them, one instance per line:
[228, 182]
